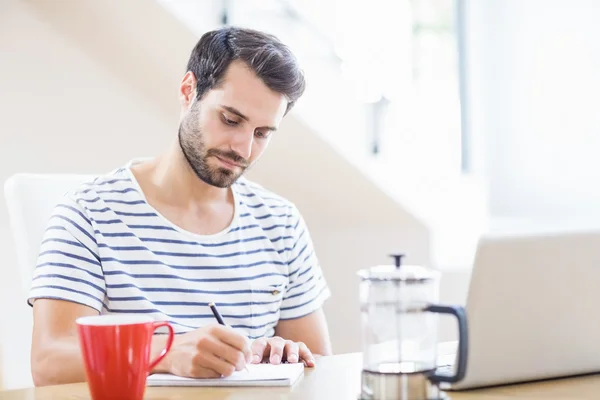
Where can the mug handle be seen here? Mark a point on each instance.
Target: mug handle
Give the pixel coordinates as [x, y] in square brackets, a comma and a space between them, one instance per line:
[163, 353]
[463, 342]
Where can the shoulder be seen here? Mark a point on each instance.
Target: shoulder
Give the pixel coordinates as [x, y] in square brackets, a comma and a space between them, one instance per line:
[77, 209]
[113, 183]
[91, 195]
[256, 197]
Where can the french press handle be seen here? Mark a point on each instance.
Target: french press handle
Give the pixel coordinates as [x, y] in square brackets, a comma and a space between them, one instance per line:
[463, 343]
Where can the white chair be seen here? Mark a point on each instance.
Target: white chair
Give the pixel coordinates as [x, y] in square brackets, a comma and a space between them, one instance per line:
[30, 199]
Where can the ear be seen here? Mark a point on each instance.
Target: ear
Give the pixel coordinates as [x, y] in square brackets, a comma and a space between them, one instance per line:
[187, 90]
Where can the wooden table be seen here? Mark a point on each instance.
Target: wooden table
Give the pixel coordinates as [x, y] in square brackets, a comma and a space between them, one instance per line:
[335, 377]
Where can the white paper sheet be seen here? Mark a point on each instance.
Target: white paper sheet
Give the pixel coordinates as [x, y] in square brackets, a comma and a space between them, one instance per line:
[257, 375]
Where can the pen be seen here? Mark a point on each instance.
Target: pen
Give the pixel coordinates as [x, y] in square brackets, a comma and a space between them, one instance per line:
[219, 319]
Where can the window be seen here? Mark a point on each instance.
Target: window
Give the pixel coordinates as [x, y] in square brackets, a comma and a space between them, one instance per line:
[421, 99]
[400, 59]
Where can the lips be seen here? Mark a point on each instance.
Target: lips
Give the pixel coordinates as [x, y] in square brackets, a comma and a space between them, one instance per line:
[229, 163]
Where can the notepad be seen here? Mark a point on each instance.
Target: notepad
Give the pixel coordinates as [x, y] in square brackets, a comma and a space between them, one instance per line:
[257, 375]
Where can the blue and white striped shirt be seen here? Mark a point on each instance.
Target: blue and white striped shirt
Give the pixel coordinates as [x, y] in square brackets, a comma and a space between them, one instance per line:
[107, 248]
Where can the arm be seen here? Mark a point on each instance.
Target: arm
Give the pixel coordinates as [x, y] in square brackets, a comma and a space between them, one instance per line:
[68, 283]
[55, 342]
[302, 329]
[295, 341]
[311, 330]
[208, 352]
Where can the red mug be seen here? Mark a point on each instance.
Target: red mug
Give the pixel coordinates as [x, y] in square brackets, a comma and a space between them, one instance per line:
[116, 354]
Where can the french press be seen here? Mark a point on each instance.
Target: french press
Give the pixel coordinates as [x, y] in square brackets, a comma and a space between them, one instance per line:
[399, 318]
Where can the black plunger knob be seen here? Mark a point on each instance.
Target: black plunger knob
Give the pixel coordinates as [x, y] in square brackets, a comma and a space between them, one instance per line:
[397, 259]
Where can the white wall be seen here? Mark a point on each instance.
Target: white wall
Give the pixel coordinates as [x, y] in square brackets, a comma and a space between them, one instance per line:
[84, 87]
[534, 73]
[354, 224]
[61, 111]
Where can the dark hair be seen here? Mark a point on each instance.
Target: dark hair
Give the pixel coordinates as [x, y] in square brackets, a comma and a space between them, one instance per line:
[271, 60]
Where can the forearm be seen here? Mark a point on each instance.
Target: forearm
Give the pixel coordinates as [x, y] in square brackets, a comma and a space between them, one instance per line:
[59, 362]
[311, 329]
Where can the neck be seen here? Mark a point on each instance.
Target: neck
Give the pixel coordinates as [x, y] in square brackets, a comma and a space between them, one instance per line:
[172, 174]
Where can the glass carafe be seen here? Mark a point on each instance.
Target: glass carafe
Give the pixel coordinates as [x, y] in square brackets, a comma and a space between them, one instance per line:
[399, 318]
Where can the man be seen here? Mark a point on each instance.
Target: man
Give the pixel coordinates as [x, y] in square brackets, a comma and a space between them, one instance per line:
[167, 236]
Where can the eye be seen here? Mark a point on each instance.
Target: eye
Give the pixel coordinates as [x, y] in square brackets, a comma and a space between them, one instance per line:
[262, 135]
[228, 121]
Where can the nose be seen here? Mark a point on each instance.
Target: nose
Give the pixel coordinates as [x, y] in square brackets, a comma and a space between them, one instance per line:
[242, 143]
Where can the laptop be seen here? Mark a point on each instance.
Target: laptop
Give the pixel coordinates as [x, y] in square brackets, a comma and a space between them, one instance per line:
[533, 308]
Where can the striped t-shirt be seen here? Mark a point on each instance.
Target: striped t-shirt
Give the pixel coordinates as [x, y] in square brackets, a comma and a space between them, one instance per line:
[107, 248]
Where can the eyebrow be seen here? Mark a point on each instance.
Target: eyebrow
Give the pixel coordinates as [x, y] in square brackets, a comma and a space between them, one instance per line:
[242, 116]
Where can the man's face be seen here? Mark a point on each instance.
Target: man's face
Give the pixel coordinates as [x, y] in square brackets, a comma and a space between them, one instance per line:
[225, 132]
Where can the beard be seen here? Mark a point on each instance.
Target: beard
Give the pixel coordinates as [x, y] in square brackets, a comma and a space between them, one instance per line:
[197, 155]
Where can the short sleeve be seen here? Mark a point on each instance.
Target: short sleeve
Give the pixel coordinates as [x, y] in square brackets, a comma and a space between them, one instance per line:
[68, 265]
[307, 289]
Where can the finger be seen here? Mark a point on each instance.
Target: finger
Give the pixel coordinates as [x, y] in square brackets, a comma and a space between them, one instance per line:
[229, 354]
[231, 337]
[247, 351]
[202, 372]
[277, 345]
[306, 355]
[195, 369]
[248, 354]
[291, 351]
[207, 361]
[259, 348]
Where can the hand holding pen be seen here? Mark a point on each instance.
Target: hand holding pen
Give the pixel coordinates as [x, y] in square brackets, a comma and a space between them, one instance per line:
[219, 319]
[212, 351]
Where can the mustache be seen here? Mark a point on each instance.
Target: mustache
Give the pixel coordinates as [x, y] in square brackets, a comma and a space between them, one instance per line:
[230, 156]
